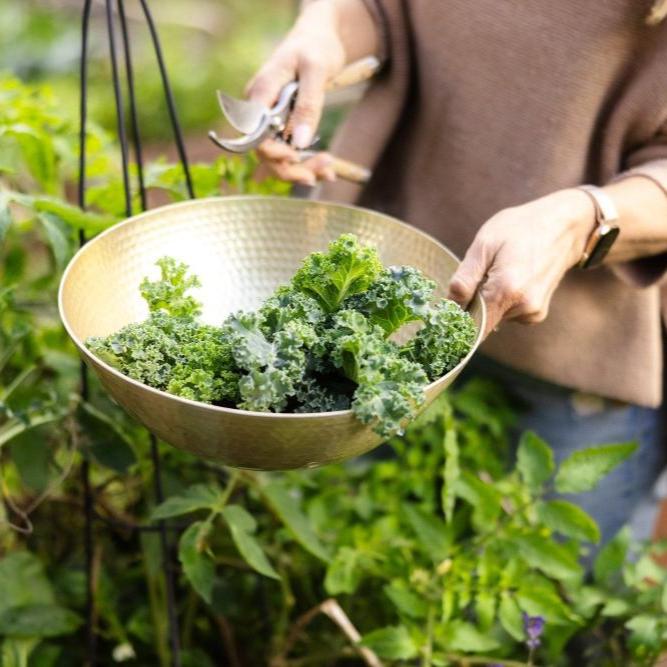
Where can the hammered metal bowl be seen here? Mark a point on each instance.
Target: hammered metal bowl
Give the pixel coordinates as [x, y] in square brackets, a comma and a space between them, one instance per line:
[242, 248]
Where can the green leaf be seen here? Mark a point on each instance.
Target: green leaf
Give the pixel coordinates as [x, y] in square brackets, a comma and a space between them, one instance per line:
[392, 643]
[510, 617]
[534, 460]
[59, 238]
[616, 607]
[405, 600]
[23, 582]
[44, 620]
[569, 520]
[196, 497]
[543, 601]
[32, 456]
[583, 470]
[72, 216]
[645, 630]
[612, 556]
[452, 471]
[106, 442]
[663, 598]
[197, 565]
[289, 512]
[242, 526]
[484, 498]
[554, 559]
[433, 535]
[462, 636]
[343, 573]
[485, 609]
[586, 600]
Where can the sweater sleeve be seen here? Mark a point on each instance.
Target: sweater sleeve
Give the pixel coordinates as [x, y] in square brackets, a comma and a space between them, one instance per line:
[369, 126]
[648, 162]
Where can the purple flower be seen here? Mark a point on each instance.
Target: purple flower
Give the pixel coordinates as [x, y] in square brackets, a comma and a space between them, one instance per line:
[533, 626]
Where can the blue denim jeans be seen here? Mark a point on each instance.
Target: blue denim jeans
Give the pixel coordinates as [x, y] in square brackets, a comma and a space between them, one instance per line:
[568, 421]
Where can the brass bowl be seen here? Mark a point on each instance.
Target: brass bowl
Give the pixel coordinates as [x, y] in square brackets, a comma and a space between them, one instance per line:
[242, 248]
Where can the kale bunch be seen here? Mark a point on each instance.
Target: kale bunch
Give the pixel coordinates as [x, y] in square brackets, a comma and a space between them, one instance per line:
[321, 343]
[172, 350]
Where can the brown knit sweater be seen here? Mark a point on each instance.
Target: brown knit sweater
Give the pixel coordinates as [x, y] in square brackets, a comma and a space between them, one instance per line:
[492, 103]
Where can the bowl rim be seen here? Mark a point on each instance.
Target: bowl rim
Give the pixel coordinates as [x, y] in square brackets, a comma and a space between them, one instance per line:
[87, 354]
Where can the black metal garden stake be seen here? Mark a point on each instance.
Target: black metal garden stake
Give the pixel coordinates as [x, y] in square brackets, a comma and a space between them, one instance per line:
[116, 19]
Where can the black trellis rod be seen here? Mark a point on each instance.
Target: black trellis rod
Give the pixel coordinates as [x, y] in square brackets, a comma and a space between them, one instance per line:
[134, 122]
[89, 505]
[120, 109]
[169, 98]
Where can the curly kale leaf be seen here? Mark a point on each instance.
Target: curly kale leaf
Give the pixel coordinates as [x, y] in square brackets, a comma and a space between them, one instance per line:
[447, 336]
[390, 387]
[313, 395]
[390, 392]
[177, 355]
[347, 268]
[400, 295]
[274, 367]
[168, 294]
[351, 341]
[286, 305]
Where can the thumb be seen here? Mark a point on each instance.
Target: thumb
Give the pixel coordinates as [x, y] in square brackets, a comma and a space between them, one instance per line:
[470, 274]
[309, 103]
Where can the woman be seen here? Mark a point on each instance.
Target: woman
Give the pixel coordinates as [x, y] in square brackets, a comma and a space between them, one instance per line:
[486, 120]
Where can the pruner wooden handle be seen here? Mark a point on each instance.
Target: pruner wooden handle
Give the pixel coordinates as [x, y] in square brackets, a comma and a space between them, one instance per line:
[350, 171]
[357, 72]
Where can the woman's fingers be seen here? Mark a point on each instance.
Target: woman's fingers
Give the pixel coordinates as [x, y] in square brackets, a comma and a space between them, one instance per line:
[272, 149]
[306, 173]
[309, 102]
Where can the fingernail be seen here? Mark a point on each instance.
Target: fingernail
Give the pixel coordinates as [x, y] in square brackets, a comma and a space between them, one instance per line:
[302, 136]
[329, 175]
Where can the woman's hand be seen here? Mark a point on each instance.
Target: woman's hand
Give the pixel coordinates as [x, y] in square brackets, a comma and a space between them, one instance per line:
[520, 255]
[326, 36]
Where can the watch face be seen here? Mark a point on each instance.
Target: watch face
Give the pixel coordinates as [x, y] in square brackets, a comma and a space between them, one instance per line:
[607, 237]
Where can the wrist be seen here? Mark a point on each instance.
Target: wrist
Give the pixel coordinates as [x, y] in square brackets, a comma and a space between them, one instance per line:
[578, 215]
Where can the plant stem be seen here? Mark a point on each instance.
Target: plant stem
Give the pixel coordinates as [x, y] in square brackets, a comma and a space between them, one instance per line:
[229, 489]
[428, 649]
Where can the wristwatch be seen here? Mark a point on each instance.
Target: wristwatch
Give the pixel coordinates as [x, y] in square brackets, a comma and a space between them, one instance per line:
[606, 230]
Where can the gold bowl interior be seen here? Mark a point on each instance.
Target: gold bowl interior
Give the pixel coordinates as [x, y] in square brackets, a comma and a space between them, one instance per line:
[241, 248]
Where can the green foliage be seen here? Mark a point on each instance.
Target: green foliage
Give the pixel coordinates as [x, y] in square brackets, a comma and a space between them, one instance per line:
[584, 469]
[535, 461]
[242, 527]
[392, 642]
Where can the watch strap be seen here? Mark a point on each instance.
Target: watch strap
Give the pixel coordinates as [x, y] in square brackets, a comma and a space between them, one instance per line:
[606, 230]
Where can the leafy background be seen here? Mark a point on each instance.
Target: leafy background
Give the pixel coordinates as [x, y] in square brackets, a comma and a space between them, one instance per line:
[445, 548]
